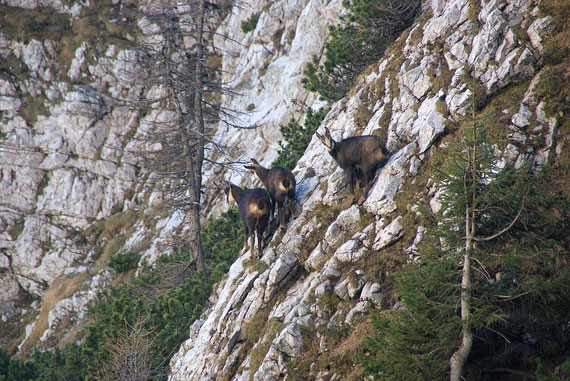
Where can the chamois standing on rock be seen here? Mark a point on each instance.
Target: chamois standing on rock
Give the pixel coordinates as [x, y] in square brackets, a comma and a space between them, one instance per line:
[280, 183]
[358, 156]
[254, 206]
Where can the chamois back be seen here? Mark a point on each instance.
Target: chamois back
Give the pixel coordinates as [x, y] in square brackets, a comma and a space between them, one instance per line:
[280, 183]
[359, 156]
[254, 206]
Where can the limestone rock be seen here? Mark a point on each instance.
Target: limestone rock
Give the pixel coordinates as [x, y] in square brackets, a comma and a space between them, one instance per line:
[345, 222]
[371, 292]
[429, 124]
[389, 234]
[341, 290]
[290, 341]
[350, 251]
[284, 267]
[358, 310]
[537, 31]
[380, 200]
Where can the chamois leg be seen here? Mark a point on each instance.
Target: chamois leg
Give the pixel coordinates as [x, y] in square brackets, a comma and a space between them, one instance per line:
[281, 208]
[252, 243]
[368, 177]
[260, 240]
[292, 207]
[352, 179]
[272, 210]
[245, 237]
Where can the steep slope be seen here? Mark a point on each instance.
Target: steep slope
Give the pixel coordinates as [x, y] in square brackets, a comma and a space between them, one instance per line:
[270, 319]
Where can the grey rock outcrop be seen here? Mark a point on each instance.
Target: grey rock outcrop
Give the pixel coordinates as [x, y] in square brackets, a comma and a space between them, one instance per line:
[415, 117]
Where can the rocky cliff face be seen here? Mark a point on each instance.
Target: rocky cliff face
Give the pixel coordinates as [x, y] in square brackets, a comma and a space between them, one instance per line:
[262, 322]
[71, 195]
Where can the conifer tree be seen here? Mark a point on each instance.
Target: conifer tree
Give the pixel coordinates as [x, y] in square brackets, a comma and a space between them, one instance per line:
[360, 40]
[478, 193]
[173, 87]
[482, 198]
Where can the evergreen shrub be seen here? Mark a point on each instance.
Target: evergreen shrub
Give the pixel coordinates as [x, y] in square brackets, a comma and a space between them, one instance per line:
[518, 276]
[250, 24]
[298, 137]
[360, 40]
[168, 298]
[124, 261]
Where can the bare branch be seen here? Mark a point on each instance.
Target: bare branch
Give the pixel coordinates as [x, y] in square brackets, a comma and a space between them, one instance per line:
[509, 226]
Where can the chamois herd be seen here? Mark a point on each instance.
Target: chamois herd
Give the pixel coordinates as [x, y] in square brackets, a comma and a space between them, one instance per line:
[358, 156]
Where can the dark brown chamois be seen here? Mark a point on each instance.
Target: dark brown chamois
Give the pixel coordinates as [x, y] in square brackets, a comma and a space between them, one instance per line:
[280, 183]
[359, 156]
[254, 206]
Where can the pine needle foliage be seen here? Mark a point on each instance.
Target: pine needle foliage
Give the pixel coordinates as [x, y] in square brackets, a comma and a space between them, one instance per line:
[160, 305]
[414, 343]
[122, 262]
[222, 245]
[511, 207]
[297, 138]
[360, 40]
[250, 23]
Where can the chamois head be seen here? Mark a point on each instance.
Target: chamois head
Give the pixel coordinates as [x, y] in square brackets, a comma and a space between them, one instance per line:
[232, 192]
[327, 140]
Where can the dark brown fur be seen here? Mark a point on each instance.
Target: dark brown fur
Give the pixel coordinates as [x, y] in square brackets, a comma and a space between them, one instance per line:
[280, 183]
[254, 206]
[359, 156]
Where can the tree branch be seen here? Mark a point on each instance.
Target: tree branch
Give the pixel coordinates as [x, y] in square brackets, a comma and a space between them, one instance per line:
[509, 226]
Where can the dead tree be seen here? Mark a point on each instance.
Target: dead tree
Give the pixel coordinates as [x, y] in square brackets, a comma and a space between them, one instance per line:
[173, 88]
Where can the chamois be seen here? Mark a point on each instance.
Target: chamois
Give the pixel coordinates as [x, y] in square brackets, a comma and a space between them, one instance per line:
[253, 206]
[358, 156]
[280, 183]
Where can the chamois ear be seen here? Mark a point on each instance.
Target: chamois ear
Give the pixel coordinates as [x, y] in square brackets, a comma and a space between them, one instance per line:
[254, 166]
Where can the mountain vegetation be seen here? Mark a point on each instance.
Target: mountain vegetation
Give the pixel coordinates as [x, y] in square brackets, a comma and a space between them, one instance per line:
[360, 40]
[464, 276]
[159, 304]
[488, 233]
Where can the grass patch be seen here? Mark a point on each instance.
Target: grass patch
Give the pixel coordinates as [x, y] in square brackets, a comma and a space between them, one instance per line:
[255, 264]
[60, 289]
[258, 352]
[16, 229]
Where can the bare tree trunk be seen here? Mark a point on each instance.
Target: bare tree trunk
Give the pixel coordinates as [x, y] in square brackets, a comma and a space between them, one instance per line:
[193, 153]
[459, 357]
[199, 121]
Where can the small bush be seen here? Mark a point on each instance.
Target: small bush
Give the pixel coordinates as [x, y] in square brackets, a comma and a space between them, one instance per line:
[222, 242]
[298, 137]
[250, 23]
[360, 40]
[124, 261]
